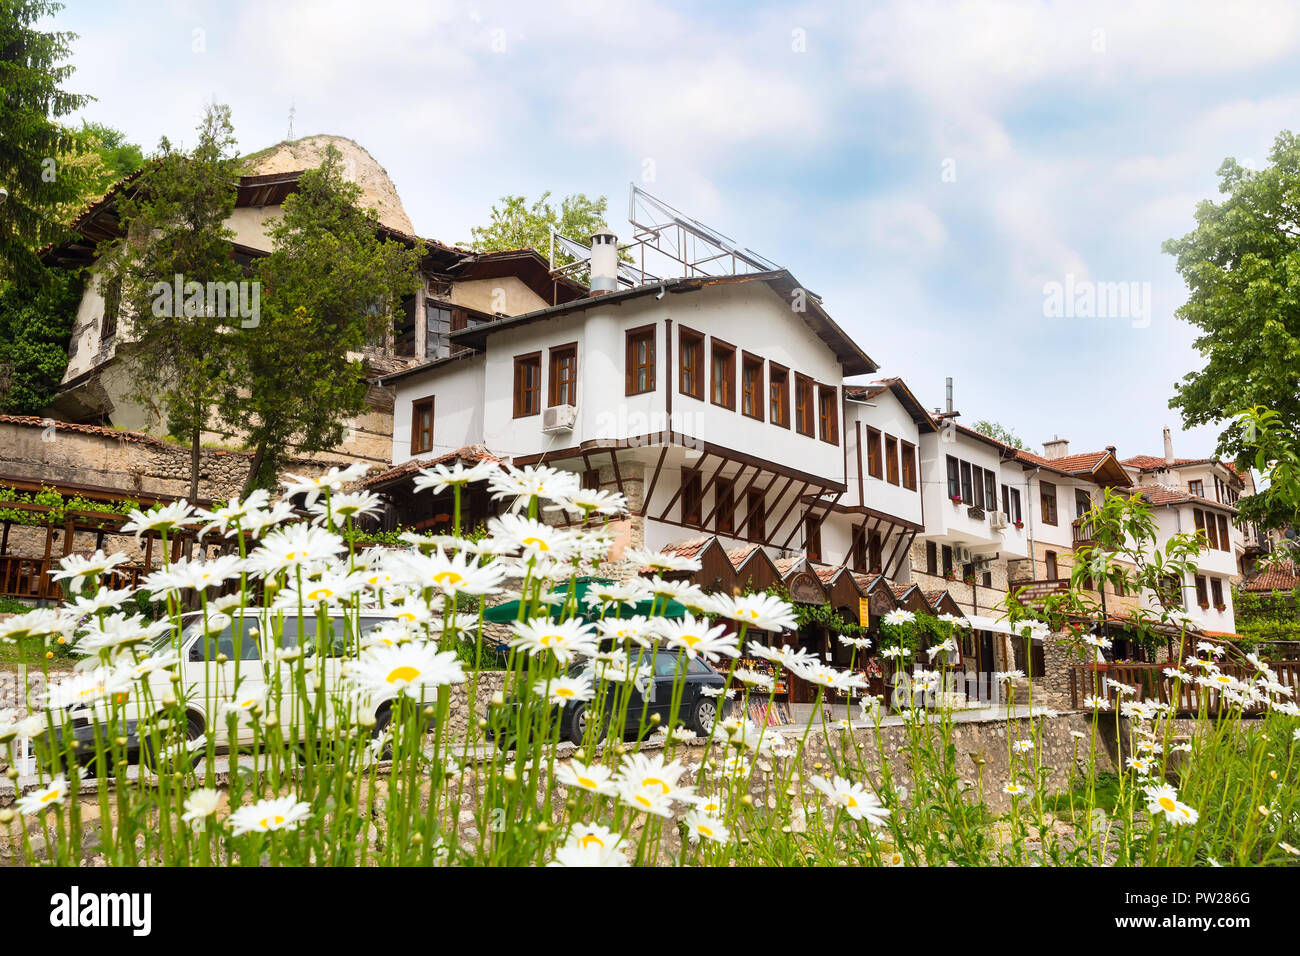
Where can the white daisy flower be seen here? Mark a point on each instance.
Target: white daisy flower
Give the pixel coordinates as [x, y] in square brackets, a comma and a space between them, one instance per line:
[283, 813]
[704, 826]
[858, 802]
[42, 798]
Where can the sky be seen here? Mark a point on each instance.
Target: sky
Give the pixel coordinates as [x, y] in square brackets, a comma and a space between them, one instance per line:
[953, 179]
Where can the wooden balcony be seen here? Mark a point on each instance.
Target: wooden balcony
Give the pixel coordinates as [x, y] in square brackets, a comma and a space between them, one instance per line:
[1081, 533]
[1039, 588]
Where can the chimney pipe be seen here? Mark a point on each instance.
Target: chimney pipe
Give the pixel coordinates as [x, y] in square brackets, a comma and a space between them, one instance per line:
[947, 384]
[1169, 447]
[604, 262]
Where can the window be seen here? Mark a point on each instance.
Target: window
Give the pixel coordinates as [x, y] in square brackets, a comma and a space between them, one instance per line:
[828, 418]
[751, 387]
[1082, 503]
[1011, 503]
[1047, 497]
[112, 305]
[947, 560]
[692, 499]
[1225, 543]
[988, 579]
[691, 363]
[1202, 598]
[1196, 488]
[891, 459]
[876, 552]
[528, 384]
[967, 489]
[1216, 591]
[591, 479]
[437, 326]
[1050, 560]
[725, 506]
[1170, 591]
[874, 468]
[404, 330]
[564, 376]
[909, 466]
[812, 538]
[723, 375]
[779, 391]
[1198, 518]
[931, 558]
[640, 362]
[860, 549]
[754, 515]
[990, 491]
[803, 405]
[954, 477]
[422, 426]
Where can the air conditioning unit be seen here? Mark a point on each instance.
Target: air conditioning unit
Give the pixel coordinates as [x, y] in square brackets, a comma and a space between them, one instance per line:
[961, 555]
[997, 521]
[559, 418]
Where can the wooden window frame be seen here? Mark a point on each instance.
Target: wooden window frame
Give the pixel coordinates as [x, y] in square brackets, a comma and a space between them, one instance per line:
[1225, 542]
[908, 452]
[718, 349]
[633, 367]
[931, 558]
[891, 460]
[812, 538]
[690, 342]
[990, 491]
[421, 439]
[558, 355]
[756, 518]
[828, 414]
[954, 476]
[778, 395]
[947, 560]
[968, 483]
[521, 392]
[1196, 488]
[754, 396]
[692, 498]
[1051, 567]
[875, 455]
[805, 422]
[1047, 502]
[859, 548]
[1202, 591]
[724, 506]
[1216, 593]
[876, 553]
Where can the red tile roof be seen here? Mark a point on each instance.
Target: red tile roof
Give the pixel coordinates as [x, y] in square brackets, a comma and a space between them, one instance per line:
[689, 547]
[470, 454]
[32, 421]
[1169, 496]
[1273, 579]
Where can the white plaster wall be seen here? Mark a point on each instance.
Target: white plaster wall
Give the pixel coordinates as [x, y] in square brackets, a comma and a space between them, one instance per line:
[886, 414]
[457, 389]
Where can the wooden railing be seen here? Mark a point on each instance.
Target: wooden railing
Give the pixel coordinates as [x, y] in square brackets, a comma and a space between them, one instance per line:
[1039, 588]
[1081, 533]
[30, 578]
[1150, 682]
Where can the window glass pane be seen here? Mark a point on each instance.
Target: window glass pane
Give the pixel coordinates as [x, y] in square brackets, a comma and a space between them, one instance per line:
[437, 327]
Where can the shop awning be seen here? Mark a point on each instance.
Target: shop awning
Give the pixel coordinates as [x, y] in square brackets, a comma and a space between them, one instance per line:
[988, 624]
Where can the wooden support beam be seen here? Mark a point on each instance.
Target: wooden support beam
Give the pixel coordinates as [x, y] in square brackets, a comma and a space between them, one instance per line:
[618, 473]
[859, 532]
[709, 516]
[677, 494]
[905, 540]
[794, 501]
[645, 504]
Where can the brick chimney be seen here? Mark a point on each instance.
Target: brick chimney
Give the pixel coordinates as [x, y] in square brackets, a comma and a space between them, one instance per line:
[1058, 447]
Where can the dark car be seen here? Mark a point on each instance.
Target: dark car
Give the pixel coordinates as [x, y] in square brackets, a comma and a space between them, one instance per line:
[696, 710]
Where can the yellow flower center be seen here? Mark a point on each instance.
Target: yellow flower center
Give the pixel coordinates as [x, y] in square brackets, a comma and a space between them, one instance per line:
[291, 555]
[267, 822]
[753, 614]
[52, 795]
[706, 831]
[589, 839]
[549, 640]
[564, 692]
[642, 800]
[406, 672]
[248, 703]
[406, 616]
[1167, 805]
[320, 594]
[655, 781]
[587, 782]
[537, 543]
[690, 640]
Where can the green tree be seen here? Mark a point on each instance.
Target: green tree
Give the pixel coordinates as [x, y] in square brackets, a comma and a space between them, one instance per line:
[329, 286]
[32, 73]
[1240, 264]
[180, 353]
[515, 224]
[999, 433]
[35, 325]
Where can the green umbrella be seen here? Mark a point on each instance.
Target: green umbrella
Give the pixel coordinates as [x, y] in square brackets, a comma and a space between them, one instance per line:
[509, 611]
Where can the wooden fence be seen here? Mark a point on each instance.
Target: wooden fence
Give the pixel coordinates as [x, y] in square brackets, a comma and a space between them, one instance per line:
[1151, 683]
